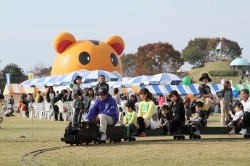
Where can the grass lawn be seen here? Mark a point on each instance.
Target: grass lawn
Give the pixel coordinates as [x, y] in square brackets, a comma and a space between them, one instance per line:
[162, 150]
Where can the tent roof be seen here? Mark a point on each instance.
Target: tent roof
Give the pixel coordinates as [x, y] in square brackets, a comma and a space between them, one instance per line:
[17, 89]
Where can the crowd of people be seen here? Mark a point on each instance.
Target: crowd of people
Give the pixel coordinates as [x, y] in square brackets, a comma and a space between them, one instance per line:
[174, 111]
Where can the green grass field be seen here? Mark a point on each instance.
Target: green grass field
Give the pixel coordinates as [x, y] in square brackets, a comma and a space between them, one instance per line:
[163, 150]
[223, 65]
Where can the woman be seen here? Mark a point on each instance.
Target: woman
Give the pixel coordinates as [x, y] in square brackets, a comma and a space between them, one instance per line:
[50, 95]
[87, 102]
[188, 112]
[225, 101]
[24, 101]
[116, 95]
[145, 111]
[178, 112]
[77, 98]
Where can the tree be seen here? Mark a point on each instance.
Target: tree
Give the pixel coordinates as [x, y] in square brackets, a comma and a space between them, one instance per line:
[16, 75]
[196, 52]
[157, 58]
[40, 70]
[128, 64]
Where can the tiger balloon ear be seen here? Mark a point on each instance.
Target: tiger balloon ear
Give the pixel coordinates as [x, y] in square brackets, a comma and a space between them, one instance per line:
[62, 41]
[117, 43]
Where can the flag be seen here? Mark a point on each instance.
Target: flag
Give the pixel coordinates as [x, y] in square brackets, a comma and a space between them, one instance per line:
[8, 80]
[30, 76]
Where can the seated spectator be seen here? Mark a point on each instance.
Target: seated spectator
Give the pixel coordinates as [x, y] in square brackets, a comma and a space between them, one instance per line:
[199, 121]
[161, 100]
[124, 101]
[116, 95]
[166, 118]
[63, 97]
[188, 112]
[103, 111]
[246, 105]
[130, 119]
[236, 117]
[133, 99]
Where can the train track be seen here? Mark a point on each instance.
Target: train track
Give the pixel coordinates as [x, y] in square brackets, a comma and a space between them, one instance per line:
[29, 158]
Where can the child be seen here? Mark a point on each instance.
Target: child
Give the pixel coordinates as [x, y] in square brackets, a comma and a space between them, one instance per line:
[130, 119]
[199, 121]
[1, 109]
[236, 117]
[165, 119]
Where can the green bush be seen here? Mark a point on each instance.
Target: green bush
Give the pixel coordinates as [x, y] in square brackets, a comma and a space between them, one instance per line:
[223, 73]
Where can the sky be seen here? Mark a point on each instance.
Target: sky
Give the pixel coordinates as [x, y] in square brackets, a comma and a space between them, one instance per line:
[28, 27]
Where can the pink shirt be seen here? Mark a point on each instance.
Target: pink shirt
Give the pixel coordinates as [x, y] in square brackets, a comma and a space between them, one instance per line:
[160, 101]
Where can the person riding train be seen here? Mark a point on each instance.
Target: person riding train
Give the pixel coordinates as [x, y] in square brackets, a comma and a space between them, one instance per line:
[103, 111]
[246, 116]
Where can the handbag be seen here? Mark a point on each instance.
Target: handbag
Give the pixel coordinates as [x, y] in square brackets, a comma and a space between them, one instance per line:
[154, 121]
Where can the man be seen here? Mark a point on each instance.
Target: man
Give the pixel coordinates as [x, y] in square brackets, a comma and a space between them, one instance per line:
[63, 97]
[103, 112]
[101, 84]
[11, 102]
[244, 94]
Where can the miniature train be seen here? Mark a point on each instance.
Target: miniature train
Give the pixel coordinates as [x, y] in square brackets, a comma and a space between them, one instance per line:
[87, 132]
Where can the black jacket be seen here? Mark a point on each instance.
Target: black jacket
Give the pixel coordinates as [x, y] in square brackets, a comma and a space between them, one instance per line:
[178, 111]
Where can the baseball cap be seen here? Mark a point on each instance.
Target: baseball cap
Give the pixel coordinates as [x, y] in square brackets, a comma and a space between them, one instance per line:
[102, 91]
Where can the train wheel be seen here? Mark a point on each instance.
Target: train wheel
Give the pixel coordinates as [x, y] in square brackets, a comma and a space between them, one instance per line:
[71, 144]
[190, 136]
[119, 140]
[199, 137]
[133, 139]
[183, 137]
[175, 137]
[110, 140]
[115, 140]
[245, 136]
[125, 139]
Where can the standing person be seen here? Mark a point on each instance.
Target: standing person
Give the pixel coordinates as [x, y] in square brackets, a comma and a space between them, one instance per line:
[50, 95]
[178, 112]
[1, 109]
[24, 101]
[161, 100]
[77, 97]
[11, 102]
[246, 105]
[103, 112]
[116, 95]
[101, 84]
[205, 92]
[225, 100]
[145, 111]
[247, 73]
[63, 97]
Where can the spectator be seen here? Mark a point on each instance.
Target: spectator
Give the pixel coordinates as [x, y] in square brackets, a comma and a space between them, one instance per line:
[246, 105]
[125, 101]
[178, 112]
[161, 100]
[132, 99]
[200, 121]
[101, 84]
[247, 73]
[63, 97]
[1, 109]
[188, 112]
[116, 95]
[50, 95]
[57, 93]
[11, 102]
[78, 100]
[225, 100]
[145, 111]
[37, 98]
[24, 101]
[103, 112]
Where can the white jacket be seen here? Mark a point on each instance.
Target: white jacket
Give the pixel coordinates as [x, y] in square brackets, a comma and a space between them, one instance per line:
[237, 115]
[246, 105]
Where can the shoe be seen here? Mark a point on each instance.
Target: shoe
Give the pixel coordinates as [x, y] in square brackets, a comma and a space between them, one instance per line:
[103, 137]
[232, 132]
[143, 134]
[243, 131]
[197, 133]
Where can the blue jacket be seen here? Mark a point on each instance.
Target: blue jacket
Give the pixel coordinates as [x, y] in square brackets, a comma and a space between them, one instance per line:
[107, 107]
